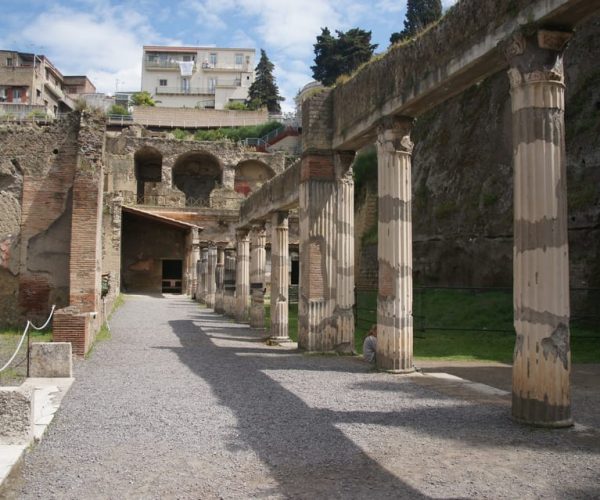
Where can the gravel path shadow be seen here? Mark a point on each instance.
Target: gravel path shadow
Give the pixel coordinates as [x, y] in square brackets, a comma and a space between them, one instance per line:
[184, 403]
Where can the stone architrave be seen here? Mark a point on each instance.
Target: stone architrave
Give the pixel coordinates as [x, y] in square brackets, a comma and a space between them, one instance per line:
[542, 356]
[394, 301]
[279, 277]
[344, 310]
[258, 258]
[211, 279]
[220, 279]
[242, 279]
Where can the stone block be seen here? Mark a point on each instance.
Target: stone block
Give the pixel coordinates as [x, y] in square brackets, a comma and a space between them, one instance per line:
[51, 360]
[16, 416]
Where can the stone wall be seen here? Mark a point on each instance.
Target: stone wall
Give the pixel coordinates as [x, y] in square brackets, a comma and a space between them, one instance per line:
[37, 165]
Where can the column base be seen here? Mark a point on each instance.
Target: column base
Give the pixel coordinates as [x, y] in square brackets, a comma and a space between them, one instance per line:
[560, 424]
[403, 371]
[279, 340]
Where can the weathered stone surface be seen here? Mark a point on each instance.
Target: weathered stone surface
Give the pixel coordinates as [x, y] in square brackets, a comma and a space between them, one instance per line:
[50, 360]
[16, 416]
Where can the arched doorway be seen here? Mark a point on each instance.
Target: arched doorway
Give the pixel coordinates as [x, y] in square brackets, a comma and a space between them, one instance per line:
[250, 175]
[148, 168]
[196, 174]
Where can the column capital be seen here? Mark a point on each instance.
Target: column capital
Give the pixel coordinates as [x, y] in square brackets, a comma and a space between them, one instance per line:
[241, 234]
[393, 133]
[342, 161]
[535, 57]
[281, 219]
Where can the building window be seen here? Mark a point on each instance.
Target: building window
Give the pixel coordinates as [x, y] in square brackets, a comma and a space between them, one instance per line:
[2, 95]
[162, 83]
[188, 58]
[239, 59]
[213, 59]
[185, 85]
[212, 83]
[9, 61]
[38, 93]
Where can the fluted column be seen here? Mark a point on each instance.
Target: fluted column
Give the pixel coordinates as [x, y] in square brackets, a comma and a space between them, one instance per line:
[542, 356]
[318, 260]
[344, 311]
[194, 263]
[242, 282]
[258, 256]
[202, 274]
[229, 282]
[394, 302]
[279, 277]
[220, 278]
[211, 280]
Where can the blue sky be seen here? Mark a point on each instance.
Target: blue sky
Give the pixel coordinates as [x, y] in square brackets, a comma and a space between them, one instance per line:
[103, 38]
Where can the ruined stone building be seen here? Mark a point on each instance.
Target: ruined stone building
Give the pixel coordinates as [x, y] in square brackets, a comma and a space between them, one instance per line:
[82, 208]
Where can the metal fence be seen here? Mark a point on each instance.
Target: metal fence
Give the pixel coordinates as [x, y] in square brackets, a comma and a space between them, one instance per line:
[477, 309]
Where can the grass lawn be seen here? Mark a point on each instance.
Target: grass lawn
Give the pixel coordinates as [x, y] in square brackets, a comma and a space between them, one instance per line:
[443, 320]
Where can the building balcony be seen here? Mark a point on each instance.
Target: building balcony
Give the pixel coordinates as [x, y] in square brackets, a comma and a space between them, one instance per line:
[188, 91]
[236, 82]
[158, 64]
[226, 67]
[54, 90]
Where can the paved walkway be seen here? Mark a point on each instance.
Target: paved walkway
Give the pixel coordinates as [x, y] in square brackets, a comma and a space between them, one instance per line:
[183, 403]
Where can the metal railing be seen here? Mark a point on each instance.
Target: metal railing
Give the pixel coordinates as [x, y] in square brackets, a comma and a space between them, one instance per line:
[185, 91]
[162, 64]
[27, 335]
[120, 119]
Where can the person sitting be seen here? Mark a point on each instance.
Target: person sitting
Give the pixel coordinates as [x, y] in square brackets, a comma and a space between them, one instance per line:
[370, 345]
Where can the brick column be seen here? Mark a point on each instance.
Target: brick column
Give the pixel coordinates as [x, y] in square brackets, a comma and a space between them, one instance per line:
[318, 265]
[394, 302]
[258, 256]
[211, 279]
[202, 275]
[280, 257]
[242, 278]
[220, 278]
[542, 356]
[344, 311]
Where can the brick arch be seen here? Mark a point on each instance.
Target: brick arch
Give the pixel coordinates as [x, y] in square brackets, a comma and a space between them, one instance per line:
[148, 168]
[250, 175]
[196, 173]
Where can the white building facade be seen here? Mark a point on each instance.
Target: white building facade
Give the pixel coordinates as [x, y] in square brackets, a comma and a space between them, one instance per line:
[197, 77]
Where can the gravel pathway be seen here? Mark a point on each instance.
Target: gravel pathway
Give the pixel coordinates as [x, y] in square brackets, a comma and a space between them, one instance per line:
[183, 403]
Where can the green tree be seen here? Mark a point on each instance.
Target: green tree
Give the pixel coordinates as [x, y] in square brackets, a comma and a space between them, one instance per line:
[342, 55]
[142, 98]
[419, 15]
[263, 91]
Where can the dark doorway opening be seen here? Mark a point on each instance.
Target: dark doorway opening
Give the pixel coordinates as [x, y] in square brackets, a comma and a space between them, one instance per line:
[295, 277]
[172, 272]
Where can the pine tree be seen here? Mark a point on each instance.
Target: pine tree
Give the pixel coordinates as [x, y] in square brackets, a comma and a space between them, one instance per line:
[341, 55]
[419, 15]
[264, 91]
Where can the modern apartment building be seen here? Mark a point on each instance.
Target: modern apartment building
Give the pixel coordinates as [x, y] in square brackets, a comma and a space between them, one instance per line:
[30, 80]
[197, 77]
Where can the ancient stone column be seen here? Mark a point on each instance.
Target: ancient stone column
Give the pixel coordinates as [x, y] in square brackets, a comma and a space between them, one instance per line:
[242, 279]
[542, 356]
[258, 257]
[211, 279]
[229, 282]
[394, 302]
[202, 285]
[194, 263]
[220, 278]
[318, 259]
[279, 277]
[344, 311]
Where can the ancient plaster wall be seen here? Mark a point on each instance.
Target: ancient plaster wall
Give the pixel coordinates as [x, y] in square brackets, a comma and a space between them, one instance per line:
[36, 176]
